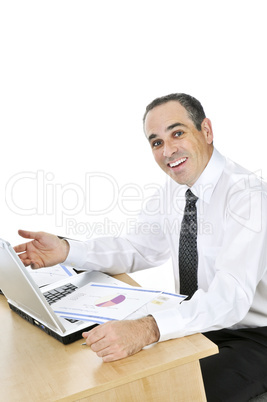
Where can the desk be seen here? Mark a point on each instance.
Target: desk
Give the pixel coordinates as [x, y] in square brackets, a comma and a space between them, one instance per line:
[36, 367]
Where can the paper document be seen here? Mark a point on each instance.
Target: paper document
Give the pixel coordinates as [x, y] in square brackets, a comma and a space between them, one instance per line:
[46, 276]
[100, 303]
[163, 301]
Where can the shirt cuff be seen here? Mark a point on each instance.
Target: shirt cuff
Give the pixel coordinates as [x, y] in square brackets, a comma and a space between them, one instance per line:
[77, 254]
[170, 323]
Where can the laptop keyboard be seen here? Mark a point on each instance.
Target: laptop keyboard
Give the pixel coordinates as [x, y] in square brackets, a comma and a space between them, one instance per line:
[56, 294]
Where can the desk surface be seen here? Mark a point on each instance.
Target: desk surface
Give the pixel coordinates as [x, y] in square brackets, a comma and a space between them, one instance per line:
[36, 367]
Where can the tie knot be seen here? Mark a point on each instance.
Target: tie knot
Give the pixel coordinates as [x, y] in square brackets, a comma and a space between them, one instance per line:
[190, 197]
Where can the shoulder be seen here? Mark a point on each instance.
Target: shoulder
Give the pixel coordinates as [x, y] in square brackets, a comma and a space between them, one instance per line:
[242, 180]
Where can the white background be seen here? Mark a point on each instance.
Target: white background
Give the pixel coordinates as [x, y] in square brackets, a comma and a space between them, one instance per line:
[75, 79]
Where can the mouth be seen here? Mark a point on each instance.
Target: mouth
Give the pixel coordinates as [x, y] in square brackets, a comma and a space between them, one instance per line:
[177, 163]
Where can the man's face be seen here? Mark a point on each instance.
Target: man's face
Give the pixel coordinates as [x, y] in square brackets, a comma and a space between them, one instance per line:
[178, 147]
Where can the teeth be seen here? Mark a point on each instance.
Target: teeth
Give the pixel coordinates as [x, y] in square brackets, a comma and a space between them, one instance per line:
[177, 162]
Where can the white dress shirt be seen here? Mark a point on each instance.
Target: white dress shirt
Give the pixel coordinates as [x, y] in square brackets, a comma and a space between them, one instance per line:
[232, 249]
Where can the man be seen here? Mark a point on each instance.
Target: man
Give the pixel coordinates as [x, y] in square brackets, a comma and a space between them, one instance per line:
[220, 247]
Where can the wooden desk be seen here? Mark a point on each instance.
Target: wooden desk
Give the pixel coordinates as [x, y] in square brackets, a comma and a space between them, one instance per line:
[36, 367]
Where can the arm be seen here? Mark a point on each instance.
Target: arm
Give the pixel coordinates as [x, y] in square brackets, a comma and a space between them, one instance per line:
[116, 255]
[143, 246]
[235, 271]
[43, 251]
[118, 339]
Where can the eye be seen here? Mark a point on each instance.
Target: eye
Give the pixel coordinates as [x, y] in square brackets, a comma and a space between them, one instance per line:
[156, 143]
[178, 133]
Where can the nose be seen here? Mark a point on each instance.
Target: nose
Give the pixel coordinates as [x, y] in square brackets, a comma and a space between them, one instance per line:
[169, 149]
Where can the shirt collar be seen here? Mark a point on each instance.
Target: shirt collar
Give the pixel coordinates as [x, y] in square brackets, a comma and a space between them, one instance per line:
[206, 183]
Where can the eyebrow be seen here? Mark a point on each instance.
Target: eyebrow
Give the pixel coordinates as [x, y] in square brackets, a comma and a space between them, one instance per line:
[152, 136]
[171, 127]
[175, 125]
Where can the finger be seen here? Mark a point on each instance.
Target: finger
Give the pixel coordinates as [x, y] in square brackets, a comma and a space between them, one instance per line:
[35, 265]
[101, 345]
[27, 261]
[23, 256]
[103, 352]
[27, 234]
[20, 248]
[110, 355]
[93, 336]
[110, 358]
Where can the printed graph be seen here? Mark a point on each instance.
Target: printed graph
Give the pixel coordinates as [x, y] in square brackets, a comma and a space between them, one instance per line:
[109, 301]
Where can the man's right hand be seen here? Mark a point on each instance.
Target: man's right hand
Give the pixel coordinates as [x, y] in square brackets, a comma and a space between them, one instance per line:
[44, 250]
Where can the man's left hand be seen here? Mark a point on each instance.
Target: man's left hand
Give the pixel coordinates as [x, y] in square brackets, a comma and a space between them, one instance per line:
[118, 339]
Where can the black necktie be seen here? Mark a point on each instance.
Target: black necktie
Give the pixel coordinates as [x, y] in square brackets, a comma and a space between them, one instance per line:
[188, 258]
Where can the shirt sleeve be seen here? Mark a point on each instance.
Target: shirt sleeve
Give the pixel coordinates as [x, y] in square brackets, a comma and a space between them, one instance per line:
[239, 267]
[143, 246]
[114, 255]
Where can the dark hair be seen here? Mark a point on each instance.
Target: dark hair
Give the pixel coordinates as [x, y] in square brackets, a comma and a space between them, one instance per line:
[192, 105]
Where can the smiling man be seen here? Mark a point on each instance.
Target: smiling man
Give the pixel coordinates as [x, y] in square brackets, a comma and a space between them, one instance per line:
[219, 254]
[179, 148]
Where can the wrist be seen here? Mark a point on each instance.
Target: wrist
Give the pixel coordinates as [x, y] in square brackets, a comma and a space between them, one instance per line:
[151, 329]
[65, 249]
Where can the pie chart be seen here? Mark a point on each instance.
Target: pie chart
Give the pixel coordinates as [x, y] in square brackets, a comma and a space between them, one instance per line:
[109, 301]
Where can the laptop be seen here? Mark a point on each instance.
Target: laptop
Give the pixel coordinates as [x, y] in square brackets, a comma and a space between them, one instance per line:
[29, 301]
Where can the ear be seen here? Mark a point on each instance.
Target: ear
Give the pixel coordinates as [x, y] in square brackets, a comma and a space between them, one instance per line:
[207, 130]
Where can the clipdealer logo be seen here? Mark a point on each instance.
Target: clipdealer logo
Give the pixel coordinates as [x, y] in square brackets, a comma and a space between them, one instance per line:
[38, 193]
